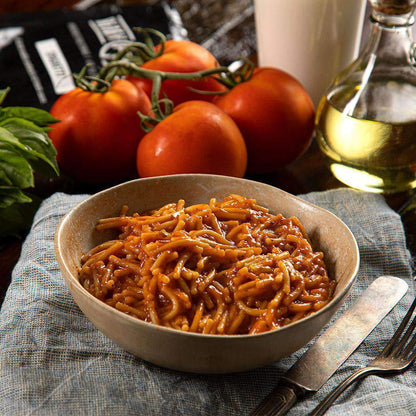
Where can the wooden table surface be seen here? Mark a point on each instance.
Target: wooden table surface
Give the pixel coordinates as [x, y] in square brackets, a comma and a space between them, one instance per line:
[307, 174]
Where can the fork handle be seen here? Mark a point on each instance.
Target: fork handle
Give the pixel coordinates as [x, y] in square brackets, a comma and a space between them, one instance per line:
[326, 403]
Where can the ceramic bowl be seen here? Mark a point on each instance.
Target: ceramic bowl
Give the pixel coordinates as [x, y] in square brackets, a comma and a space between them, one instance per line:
[190, 351]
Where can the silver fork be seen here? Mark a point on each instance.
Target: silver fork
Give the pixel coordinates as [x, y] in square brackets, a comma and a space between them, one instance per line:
[397, 356]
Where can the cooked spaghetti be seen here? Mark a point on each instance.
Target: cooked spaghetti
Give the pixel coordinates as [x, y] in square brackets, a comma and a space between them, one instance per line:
[227, 267]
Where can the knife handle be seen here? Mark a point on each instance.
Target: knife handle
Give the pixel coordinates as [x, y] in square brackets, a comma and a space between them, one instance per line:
[279, 401]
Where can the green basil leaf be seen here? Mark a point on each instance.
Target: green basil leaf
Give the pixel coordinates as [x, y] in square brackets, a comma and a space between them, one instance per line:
[24, 148]
[39, 117]
[36, 142]
[10, 195]
[8, 138]
[4, 179]
[3, 94]
[16, 168]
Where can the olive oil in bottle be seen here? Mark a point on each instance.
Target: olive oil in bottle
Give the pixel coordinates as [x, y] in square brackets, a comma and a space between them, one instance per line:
[366, 122]
[372, 150]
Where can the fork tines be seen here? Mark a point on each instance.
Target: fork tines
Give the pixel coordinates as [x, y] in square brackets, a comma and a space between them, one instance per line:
[397, 346]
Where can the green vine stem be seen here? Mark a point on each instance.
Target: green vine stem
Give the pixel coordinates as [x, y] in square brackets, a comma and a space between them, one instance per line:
[89, 83]
[140, 52]
[230, 79]
[102, 82]
[144, 51]
[157, 77]
[128, 61]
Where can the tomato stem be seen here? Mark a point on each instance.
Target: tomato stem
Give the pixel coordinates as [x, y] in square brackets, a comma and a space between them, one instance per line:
[129, 60]
[135, 70]
[220, 73]
[157, 77]
[231, 79]
[149, 121]
[141, 52]
[90, 83]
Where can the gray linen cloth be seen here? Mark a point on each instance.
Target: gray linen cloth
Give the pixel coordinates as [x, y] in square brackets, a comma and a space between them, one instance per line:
[54, 362]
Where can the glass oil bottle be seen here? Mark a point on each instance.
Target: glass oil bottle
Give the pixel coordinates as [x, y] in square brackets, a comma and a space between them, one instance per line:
[366, 122]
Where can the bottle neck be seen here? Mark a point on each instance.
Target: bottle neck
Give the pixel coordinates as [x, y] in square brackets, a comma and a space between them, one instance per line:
[392, 20]
[391, 37]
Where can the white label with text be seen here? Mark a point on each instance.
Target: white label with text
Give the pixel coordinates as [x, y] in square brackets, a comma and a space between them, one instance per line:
[56, 65]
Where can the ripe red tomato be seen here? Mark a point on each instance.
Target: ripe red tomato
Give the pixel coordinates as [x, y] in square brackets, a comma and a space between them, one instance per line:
[181, 56]
[275, 115]
[197, 137]
[97, 137]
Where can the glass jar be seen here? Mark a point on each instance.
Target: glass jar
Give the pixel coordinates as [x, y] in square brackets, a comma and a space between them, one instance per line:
[366, 122]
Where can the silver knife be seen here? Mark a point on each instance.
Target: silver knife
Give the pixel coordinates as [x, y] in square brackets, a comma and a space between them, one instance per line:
[332, 348]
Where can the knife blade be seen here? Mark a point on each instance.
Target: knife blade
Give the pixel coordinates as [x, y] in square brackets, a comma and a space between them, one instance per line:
[332, 348]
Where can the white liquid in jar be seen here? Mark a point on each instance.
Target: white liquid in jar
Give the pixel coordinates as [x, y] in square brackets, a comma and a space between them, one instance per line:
[313, 40]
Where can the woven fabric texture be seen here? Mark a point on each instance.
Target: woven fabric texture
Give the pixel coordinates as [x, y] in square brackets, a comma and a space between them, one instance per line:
[54, 362]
